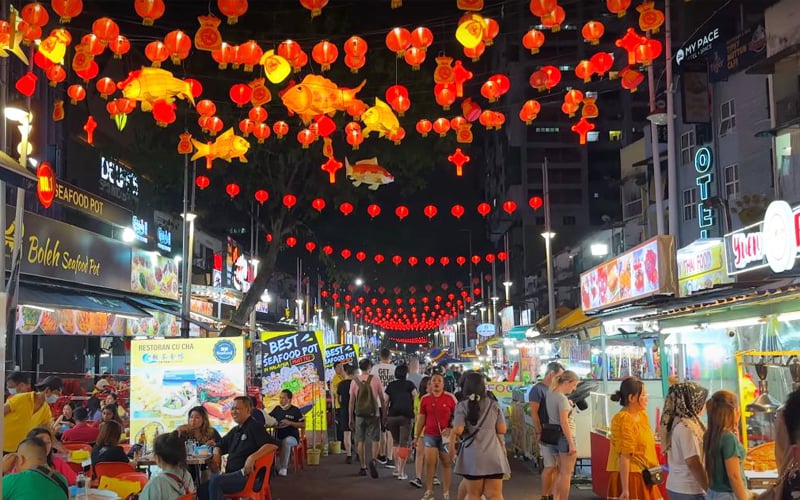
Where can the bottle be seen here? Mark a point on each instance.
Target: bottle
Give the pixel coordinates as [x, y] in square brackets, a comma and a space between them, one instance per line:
[81, 491]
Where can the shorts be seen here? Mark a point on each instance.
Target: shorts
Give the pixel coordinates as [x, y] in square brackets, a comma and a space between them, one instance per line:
[562, 447]
[368, 429]
[549, 455]
[481, 478]
[719, 495]
[344, 419]
[435, 442]
[400, 427]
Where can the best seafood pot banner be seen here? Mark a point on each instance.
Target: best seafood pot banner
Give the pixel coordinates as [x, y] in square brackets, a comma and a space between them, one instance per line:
[295, 361]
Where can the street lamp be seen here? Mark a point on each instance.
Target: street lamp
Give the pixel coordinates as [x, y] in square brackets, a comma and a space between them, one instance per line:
[507, 286]
[359, 282]
[335, 325]
[551, 295]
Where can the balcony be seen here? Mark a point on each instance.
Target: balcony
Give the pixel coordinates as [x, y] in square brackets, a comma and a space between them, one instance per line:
[787, 111]
[632, 209]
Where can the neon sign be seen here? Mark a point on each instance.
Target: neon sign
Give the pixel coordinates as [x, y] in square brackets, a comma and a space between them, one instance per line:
[703, 163]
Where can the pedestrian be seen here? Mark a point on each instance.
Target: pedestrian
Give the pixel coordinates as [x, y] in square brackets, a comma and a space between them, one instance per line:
[290, 420]
[343, 396]
[384, 370]
[681, 434]
[400, 393]
[480, 425]
[419, 447]
[724, 453]
[367, 416]
[561, 415]
[414, 373]
[25, 411]
[633, 446]
[433, 428]
[35, 478]
[537, 397]
[338, 376]
[788, 458]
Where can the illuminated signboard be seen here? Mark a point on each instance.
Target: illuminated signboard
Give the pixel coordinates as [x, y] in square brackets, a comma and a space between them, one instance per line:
[703, 165]
[644, 271]
[118, 181]
[141, 228]
[773, 242]
[701, 265]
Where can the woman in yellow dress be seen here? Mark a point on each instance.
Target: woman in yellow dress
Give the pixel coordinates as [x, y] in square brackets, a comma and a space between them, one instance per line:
[633, 446]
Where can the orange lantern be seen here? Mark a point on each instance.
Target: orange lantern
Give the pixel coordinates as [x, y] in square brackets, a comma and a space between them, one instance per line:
[397, 97]
[540, 8]
[76, 93]
[630, 78]
[554, 19]
[106, 29]
[281, 128]
[424, 126]
[257, 114]
[648, 51]
[206, 107]
[590, 109]
[592, 32]
[533, 40]
[573, 96]
[650, 18]
[569, 108]
[233, 9]
[67, 9]
[421, 38]
[602, 62]
[179, 44]
[582, 128]
[246, 126]
[214, 125]
[630, 41]
[260, 93]
[157, 52]
[490, 31]
[444, 70]
[476, 52]
[56, 74]
[223, 55]
[618, 7]
[441, 126]
[119, 46]
[463, 132]
[414, 57]
[305, 137]
[324, 53]
[530, 110]
[584, 71]
[106, 87]
[445, 94]
[149, 10]
[261, 132]
[315, 6]
[354, 135]
[397, 135]
[35, 14]
[398, 40]
[207, 37]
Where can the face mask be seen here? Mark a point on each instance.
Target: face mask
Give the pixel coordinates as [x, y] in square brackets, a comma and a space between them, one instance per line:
[51, 399]
[12, 391]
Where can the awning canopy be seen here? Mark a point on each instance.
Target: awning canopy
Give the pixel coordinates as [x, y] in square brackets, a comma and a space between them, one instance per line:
[14, 173]
[67, 298]
[167, 306]
[520, 332]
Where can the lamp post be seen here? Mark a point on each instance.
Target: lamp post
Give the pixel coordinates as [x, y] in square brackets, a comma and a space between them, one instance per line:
[336, 328]
[551, 294]
[186, 283]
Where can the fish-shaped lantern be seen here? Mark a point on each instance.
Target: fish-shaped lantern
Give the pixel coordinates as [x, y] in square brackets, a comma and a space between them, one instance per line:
[149, 85]
[316, 95]
[367, 172]
[10, 38]
[227, 147]
[381, 119]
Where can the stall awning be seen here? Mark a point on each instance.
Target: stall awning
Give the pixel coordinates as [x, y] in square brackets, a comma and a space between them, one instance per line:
[520, 332]
[66, 298]
[570, 321]
[167, 306]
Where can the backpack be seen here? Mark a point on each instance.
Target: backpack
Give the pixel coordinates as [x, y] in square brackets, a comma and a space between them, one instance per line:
[450, 383]
[366, 406]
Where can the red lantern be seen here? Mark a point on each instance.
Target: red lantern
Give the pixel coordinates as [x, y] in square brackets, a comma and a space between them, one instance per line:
[105, 28]
[424, 126]
[281, 128]
[629, 41]
[261, 196]
[346, 255]
[214, 125]
[328, 250]
[553, 76]
[223, 55]
[484, 209]
[202, 182]
[119, 46]
[397, 97]
[318, 204]
[430, 211]
[398, 40]
[529, 111]
[291, 241]
[618, 7]
[429, 261]
[476, 259]
[457, 211]
[584, 70]
[164, 112]
[535, 202]
[582, 128]
[240, 94]
[490, 31]
[378, 259]
[475, 53]
[305, 137]
[310, 246]
[67, 9]
[315, 6]
[648, 51]
[106, 87]
[501, 256]
[289, 201]
[76, 93]
[361, 256]
[35, 14]
[540, 8]
[346, 208]
[401, 212]
[592, 32]
[602, 62]
[57, 74]
[421, 38]
[445, 94]
[441, 126]
[355, 46]
[233, 9]
[414, 57]
[509, 207]
[554, 19]
[26, 84]
[178, 44]
[533, 40]
[325, 53]
[490, 259]
[232, 189]
[246, 126]
[149, 10]
[354, 135]
[157, 52]
[373, 210]
[461, 260]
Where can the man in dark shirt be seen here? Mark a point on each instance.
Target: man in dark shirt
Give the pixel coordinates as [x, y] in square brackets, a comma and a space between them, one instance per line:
[244, 445]
[82, 432]
[290, 421]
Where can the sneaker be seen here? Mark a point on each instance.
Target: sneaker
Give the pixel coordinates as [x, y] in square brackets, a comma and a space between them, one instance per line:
[348, 460]
[373, 469]
[436, 481]
[381, 459]
[402, 477]
[389, 464]
[428, 495]
[362, 472]
[282, 472]
[395, 473]
[416, 482]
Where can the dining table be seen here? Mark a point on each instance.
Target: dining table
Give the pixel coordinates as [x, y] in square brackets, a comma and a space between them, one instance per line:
[97, 494]
[196, 461]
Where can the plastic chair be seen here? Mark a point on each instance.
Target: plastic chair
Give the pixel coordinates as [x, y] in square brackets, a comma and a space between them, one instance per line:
[122, 487]
[112, 469]
[77, 446]
[298, 453]
[188, 496]
[134, 476]
[257, 486]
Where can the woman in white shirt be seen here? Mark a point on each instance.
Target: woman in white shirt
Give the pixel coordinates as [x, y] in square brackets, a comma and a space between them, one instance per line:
[681, 435]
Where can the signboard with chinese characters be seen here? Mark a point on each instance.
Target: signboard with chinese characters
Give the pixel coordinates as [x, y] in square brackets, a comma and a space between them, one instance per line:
[773, 242]
[644, 271]
[701, 265]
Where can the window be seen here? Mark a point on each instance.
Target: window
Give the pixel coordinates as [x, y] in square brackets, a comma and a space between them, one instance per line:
[731, 181]
[614, 135]
[689, 204]
[568, 220]
[687, 147]
[548, 130]
[727, 117]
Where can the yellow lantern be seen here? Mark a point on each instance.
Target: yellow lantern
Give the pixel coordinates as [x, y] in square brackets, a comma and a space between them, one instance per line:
[470, 31]
[276, 67]
[54, 47]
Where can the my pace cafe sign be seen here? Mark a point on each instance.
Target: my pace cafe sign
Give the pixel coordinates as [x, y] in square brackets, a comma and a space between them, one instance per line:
[773, 242]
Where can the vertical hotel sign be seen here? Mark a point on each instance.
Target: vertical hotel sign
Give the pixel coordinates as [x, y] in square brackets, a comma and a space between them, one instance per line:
[704, 167]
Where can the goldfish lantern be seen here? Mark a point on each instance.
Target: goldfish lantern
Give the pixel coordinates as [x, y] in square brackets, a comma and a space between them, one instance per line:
[246, 126]
[401, 212]
[318, 204]
[396, 135]
[26, 84]
[533, 40]
[484, 209]
[58, 110]
[281, 128]
[457, 211]
[202, 181]
[592, 32]
[56, 74]
[509, 207]
[535, 203]
[240, 94]
[67, 9]
[105, 29]
[602, 62]
[430, 211]
[55, 46]
[630, 78]
[569, 108]
[529, 111]
[325, 53]
[650, 18]
[346, 208]
[224, 55]
[315, 6]
[233, 9]
[490, 31]
[648, 51]
[475, 53]
[207, 37]
[353, 135]
[590, 109]
[582, 128]
[554, 19]
[289, 201]
[206, 107]
[421, 38]
[305, 137]
[261, 132]
[618, 7]
[458, 159]
[541, 8]
[164, 112]
[424, 126]
[445, 94]
[584, 70]
[89, 127]
[460, 76]
[414, 57]
[538, 80]
[398, 40]
[629, 41]
[119, 46]
[157, 52]
[106, 87]
[397, 97]
[76, 93]
[441, 126]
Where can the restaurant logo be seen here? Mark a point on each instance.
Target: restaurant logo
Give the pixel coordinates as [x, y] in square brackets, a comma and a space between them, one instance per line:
[164, 239]
[696, 47]
[46, 184]
[485, 329]
[140, 228]
[118, 181]
[224, 351]
[772, 243]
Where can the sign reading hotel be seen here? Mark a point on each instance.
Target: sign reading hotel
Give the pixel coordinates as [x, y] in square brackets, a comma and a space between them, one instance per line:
[773, 242]
[704, 167]
[701, 265]
[644, 271]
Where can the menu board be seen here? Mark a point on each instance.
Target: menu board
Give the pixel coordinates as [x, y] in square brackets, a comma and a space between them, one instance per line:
[701, 265]
[295, 361]
[35, 320]
[158, 324]
[171, 376]
[154, 274]
[646, 270]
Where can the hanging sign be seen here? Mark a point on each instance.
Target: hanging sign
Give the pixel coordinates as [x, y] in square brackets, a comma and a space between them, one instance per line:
[701, 265]
[773, 242]
[46, 185]
[485, 329]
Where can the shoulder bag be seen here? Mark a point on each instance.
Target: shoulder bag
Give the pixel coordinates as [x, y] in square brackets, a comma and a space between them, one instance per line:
[465, 441]
[652, 476]
[49, 474]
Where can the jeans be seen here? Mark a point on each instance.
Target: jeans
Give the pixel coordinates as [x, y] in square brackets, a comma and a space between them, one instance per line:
[287, 444]
[685, 496]
[720, 495]
[220, 484]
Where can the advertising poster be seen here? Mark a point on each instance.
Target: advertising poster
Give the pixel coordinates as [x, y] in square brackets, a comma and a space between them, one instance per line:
[153, 274]
[170, 376]
[339, 353]
[295, 361]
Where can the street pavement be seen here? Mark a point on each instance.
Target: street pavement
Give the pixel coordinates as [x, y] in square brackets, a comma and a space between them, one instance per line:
[335, 479]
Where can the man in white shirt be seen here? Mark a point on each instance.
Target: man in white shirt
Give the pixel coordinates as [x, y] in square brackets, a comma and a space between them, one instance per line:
[384, 371]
